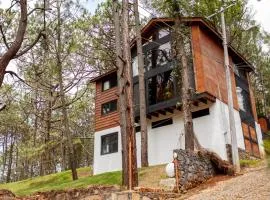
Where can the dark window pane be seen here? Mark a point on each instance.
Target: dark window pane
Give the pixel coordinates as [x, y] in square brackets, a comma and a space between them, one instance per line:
[109, 143]
[109, 107]
[200, 113]
[160, 88]
[109, 82]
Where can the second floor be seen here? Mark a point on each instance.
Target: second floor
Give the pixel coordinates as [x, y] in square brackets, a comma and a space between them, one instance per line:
[204, 49]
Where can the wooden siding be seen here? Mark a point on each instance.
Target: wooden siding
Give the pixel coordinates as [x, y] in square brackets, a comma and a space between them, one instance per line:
[209, 66]
[250, 139]
[109, 120]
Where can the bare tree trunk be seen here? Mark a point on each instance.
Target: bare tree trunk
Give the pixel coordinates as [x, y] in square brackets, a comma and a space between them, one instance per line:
[67, 132]
[143, 122]
[122, 97]
[182, 63]
[10, 159]
[4, 149]
[131, 139]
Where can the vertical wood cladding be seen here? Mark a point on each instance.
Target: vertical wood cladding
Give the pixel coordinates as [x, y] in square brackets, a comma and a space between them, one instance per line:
[111, 119]
[209, 66]
[250, 139]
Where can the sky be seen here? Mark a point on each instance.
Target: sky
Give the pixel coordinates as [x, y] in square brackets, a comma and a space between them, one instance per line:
[260, 7]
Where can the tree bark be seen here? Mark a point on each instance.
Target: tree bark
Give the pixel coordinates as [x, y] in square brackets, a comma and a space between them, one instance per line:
[10, 159]
[143, 122]
[121, 90]
[182, 63]
[131, 138]
[16, 45]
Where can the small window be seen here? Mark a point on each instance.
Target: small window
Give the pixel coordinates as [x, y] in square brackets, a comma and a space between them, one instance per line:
[109, 143]
[200, 113]
[138, 129]
[109, 83]
[163, 122]
[109, 107]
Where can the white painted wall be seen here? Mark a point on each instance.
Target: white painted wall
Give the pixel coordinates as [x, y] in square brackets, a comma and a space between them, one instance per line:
[259, 138]
[210, 130]
[112, 161]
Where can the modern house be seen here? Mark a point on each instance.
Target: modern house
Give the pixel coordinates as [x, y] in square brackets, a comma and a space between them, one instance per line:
[164, 113]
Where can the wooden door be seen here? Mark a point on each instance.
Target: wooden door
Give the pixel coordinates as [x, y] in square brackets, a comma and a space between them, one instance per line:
[250, 139]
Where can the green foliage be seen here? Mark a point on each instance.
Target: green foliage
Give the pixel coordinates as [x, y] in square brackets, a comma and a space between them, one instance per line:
[266, 145]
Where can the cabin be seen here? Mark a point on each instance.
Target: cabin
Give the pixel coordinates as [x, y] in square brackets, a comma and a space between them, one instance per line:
[163, 98]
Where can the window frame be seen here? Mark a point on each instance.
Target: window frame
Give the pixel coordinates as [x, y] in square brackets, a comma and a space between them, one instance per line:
[103, 114]
[101, 144]
[112, 79]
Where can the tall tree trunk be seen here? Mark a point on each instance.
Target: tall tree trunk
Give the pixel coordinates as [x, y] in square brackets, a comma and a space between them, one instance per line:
[67, 131]
[181, 58]
[10, 159]
[143, 122]
[121, 90]
[131, 138]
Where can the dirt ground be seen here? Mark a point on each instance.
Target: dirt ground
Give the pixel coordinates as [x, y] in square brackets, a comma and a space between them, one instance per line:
[254, 184]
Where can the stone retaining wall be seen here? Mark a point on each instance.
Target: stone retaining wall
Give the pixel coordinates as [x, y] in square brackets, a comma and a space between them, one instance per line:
[194, 169]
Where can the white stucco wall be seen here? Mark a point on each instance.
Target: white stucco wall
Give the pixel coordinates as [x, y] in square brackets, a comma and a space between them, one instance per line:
[211, 131]
[259, 138]
[112, 161]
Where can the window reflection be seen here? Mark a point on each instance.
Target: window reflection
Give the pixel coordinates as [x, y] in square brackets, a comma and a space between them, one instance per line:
[160, 87]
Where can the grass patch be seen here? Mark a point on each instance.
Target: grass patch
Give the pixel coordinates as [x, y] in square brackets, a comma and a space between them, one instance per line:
[62, 180]
[149, 176]
[250, 163]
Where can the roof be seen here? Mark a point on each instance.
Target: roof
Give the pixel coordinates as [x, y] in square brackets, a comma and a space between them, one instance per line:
[102, 75]
[202, 22]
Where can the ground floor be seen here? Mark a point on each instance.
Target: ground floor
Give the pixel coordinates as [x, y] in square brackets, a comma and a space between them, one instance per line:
[166, 133]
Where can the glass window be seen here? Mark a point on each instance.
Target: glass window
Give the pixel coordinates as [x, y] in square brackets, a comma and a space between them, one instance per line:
[160, 87]
[109, 107]
[135, 69]
[109, 83]
[109, 143]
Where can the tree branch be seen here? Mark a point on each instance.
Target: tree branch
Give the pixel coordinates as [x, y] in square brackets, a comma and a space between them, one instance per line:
[43, 9]
[4, 37]
[30, 46]
[16, 75]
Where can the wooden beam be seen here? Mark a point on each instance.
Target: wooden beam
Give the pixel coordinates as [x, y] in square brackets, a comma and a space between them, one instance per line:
[196, 103]
[154, 114]
[163, 112]
[203, 100]
[170, 110]
[179, 108]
